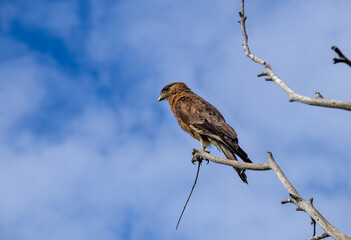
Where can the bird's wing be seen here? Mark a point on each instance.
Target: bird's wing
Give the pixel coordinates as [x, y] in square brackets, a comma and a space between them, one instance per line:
[199, 115]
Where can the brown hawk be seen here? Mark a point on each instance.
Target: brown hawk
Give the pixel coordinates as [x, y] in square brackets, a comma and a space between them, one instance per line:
[203, 122]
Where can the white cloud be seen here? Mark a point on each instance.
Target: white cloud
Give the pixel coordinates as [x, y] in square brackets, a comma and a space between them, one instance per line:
[124, 172]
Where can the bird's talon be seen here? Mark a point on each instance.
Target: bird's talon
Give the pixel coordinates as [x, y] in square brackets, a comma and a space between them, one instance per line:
[194, 151]
[197, 158]
[193, 160]
[207, 161]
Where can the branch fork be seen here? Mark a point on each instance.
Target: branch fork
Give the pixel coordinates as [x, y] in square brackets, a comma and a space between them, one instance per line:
[341, 58]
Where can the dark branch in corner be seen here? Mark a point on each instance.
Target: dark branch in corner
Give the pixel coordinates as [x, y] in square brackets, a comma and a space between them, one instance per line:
[341, 58]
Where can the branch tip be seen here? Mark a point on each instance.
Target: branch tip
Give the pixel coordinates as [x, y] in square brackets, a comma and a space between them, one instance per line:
[319, 95]
[299, 209]
[336, 60]
[341, 58]
[242, 16]
[286, 201]
[337, 50]
[295, 197]
[262, 74]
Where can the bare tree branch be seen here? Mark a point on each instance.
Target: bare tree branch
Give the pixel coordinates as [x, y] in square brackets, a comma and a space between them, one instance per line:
[331, 103]
[320, 236]
[341, 58]
[236, 164]
[295, 198]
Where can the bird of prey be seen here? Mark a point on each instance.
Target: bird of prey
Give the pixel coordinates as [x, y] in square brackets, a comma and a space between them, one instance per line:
[203, 122]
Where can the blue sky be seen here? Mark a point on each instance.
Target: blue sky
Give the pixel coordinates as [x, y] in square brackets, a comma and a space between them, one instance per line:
[87, 152]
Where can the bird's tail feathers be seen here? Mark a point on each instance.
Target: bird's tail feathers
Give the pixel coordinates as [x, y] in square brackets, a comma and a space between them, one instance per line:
[230, 155]
[243, 155]
[233, 146]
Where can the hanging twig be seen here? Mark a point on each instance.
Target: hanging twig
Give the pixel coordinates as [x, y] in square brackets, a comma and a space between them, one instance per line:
[199, 160]
[313, 222]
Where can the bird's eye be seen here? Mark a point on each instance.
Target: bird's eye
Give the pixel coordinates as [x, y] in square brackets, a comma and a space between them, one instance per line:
[165, 89]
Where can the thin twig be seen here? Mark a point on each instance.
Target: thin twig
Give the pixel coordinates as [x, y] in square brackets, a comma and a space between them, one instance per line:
[313, 222]
[341, 58]
[294, 96]
[319, 95]
[286, 201]
[192, 189]
[320, 236]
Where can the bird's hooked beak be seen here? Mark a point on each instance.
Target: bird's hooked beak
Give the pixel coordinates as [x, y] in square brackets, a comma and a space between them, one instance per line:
[161, 97]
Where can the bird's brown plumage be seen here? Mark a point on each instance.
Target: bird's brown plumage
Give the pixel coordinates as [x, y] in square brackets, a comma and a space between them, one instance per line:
[203, 121]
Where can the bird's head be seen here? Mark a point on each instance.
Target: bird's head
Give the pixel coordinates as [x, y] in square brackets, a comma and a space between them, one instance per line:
[172, 88]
